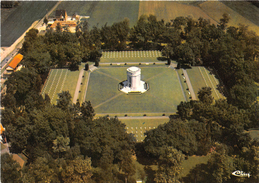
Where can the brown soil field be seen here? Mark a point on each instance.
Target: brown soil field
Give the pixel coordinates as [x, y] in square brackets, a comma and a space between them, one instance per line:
[215, 9]
[212, 10]
[169, 10]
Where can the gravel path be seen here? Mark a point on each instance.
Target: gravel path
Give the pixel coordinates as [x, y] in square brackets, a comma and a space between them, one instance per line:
[145, 117]
[79, 81]
[189, 85]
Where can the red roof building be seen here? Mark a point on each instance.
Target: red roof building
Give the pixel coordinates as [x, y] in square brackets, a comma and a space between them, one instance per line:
[16, 60]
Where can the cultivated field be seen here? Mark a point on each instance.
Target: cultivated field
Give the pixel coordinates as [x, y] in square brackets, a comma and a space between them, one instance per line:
[21, 19]
[201, 77]
[246, 9]
[164, 95]
[215, 9]
[169, 10]
[102, 12]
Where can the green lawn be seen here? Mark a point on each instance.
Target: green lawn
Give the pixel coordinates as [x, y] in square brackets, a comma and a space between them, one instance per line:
[201, 77]
[130, 56]
[191, 162]
[163, 96]
[21, 19]
[62, 80]
[102, 12]
[139, 126]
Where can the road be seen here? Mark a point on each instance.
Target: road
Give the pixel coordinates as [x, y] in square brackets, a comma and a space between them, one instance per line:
[79, 81]
[189, 85]
[144, 117]
[10, 55]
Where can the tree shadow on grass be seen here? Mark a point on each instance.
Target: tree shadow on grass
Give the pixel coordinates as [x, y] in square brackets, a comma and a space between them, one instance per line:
[150, 174]
[161, 58]
[142, 156]
[198, 174]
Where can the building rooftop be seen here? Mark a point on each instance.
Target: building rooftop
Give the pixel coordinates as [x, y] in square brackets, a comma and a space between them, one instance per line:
[133, 69]
[16, 60]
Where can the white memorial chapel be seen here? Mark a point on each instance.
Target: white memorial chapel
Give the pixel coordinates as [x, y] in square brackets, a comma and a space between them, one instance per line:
[133, 82]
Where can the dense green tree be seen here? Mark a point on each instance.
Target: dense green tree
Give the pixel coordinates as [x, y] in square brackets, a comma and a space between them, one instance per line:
[121, 30]
[77, 170]
[148, 29]
[44, 169]
[220, 165]
[38, 60]
[185, 55]
[8, 101]
[61, 144]
[64, 100]
[29, 39]
[10, 169]
[168, 53]
[223, 21]
[87, 110]
[169, 166]
[243, 96]
[102, 127]
[205, 95]
[20, 83]
[175, 133]
[45, 21]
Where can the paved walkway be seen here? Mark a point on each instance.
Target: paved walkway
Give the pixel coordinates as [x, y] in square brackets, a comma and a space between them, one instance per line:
[79, 81]
[122, 63]
[189, 85]
[145, 117]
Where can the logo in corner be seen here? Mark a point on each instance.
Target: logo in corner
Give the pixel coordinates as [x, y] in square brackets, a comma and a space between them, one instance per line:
[239, 173]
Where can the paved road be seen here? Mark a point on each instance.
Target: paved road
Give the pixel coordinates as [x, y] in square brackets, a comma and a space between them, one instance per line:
[189, 85]
[9, 57]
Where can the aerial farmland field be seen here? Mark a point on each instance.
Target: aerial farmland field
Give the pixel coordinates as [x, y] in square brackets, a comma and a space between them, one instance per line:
[215, 9]
[102, 12]
[16, 23]
[169, 10]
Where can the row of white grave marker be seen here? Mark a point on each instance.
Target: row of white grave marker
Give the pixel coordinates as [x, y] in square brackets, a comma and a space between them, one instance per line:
[129, 54]
[140, 127]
